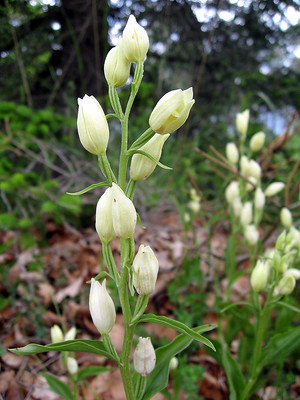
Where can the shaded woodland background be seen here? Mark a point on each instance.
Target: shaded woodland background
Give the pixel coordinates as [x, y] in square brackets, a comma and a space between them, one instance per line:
[235, 54]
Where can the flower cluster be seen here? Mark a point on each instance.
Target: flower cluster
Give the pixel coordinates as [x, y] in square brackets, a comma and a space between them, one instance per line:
[248, 212]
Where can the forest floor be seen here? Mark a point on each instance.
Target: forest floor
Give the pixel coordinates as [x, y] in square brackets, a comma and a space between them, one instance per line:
[52, 279]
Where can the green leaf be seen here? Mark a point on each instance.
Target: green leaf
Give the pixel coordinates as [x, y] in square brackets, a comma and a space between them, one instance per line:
[57, 386]
[238, 303]
[139, 221]
[158, 379]
[280, 346]
[85, 346]
[289, 306]
[144, 153]
[91, 370]
[234, 374]
[179, 326]
[87, 189]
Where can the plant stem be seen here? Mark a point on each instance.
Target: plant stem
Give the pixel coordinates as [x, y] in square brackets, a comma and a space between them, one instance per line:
[129, 330]
[106, 168]
[130, 189]
[138, 75]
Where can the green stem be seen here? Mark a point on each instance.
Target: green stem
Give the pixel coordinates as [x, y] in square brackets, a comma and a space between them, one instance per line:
[140, 386]
[129, 330]
[110, 262]
[144, 138]
[130, 189]
[106, 168]
[138, 76]
[110, 347]
[140, 307]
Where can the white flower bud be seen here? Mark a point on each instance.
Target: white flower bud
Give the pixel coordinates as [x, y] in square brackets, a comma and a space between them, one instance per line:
[71, 334]
[295, 234]
[101, 306]
[245, 166]
[259, 276]
[172, 110]
[92, 125]
[173, 363]
[259, 199]
[144, 357]
[255, 169]
[246, 214]
[104, 221]
[237, 206]
[135, 41]
[251, 234]
[294, 272]
[251, 184]
[194, 206]
[286, 217]
[232, 191]
[123, 214]
[257, 141]
[72, 365]
[274, 188]
[241, 122]
[145, 269]
[232, 153]
[116, 66]
[286, 284]
[141, 166]
[56, 334]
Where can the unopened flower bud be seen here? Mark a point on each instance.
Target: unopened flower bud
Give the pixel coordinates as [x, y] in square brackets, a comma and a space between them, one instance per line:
[116, 66]
[104, 221]
[251, 234]
[295, 236]
[286, 217]
[259, 199]
[172, 110]
[141, 166]
[242, 121]
[286, 284]
[255, 169]
[101, 306]
[274, 188]
[257, 141]
[280, 241]
[135, 41]
[259, 277]
[246, 214]
[173, 363]
[251, 184]
[72, 365]
[232, 191]
[144, 357]
[195, 206]
[294, 272]
[56, 334]
[245, 166]
[237, 206]
[232, 153]
[145, 269]
[123, 214]
[71, 334]
[92, 125]
[276, 261]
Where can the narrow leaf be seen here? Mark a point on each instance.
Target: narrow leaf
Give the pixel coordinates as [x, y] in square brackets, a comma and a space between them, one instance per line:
[179, 326]
[85, 346]
[289, 306]
[238, 303]
[144, 153]
[139, 221]
[87, 189]
[57, 386]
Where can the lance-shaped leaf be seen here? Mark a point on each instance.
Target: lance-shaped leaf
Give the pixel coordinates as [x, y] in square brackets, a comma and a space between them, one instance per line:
[87, 189]
[57, 386]
[82, 346]
[178, 326]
